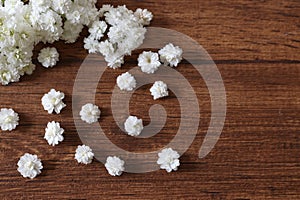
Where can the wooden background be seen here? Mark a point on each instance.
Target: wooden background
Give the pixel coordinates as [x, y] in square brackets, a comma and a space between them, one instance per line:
[256, 46]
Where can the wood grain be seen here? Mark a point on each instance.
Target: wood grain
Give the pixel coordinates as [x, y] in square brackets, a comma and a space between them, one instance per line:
[256, 46]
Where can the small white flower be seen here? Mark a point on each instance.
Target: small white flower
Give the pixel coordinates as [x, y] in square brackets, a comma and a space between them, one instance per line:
[29, 166]
[52, 101]
[133, 126]
[126, 82]
[171, 55]
[90, 113]
[168, 159]
[149, 62]
[48, 57]
[84, 154]
[9, 119]
[143, 15]
[114, 165]
[159, 90]
[98, 29]
[54, 133]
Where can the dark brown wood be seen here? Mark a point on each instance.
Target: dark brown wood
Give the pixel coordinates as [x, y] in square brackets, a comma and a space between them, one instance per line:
[256, 46]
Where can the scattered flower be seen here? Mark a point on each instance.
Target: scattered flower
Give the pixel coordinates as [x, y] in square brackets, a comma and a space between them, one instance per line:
[48, 57]
[149, 62]
[171, 55]
[9, 119]
[114, 165]
[133, 126]
[90, 113]
[159, 90]
[168, 159]
[126, 82]
[54, 133]
[52, 101]
[84, 154]
[29, 166]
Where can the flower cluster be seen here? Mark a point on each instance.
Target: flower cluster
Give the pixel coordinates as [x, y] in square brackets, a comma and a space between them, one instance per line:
[22, 26]
[124, 29]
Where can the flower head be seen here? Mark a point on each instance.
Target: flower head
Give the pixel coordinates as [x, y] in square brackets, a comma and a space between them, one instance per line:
[84, 154]
[144, 16]
[149, 62]
[168, 159]
[133, 126]
[114, 165]
[159, 90]
[90, 113]
[170, 55]
[29, 166]
[9, 119]
[52, 101]
[48, 57]
[126, 82]
[54, 133]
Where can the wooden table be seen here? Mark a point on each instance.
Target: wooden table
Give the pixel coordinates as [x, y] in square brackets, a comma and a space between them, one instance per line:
[256, 46]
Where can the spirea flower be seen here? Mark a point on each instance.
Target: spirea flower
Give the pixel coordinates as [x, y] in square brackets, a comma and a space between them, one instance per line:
[168, 159]
[126, 82]
[22, 26]
[114, 165]
[48, 57]
[54, 133]
[149, 62]
[29, 166]
[125, 32]
[143, 15]
[90, 113]
[53, 101]
[159, 90]
[133, 126]
[84, 154]
[171, 55]
[9, 119]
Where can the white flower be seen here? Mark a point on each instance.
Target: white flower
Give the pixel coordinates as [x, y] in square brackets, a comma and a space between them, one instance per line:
[125, 34]
[149, 62]
[168, 159]
[84, 154]
[22, 26]
[126, 82]
[54, 133]
[114, 165]
[90, 113]
[9, 119]
[91, 44]
[171, 55]
[29, 166]
[52, 101]
[159, 90]
[48, 57]
[143, 15]
[98, 29]
[133, 126]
